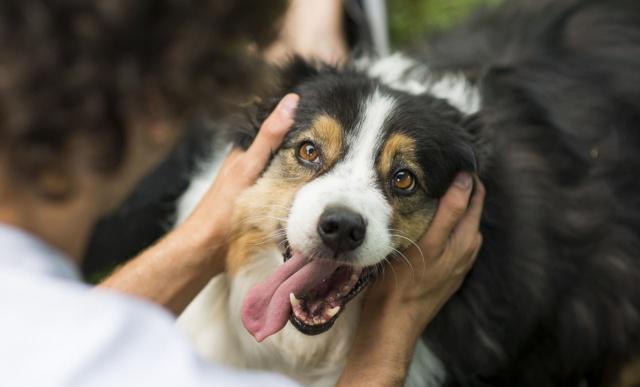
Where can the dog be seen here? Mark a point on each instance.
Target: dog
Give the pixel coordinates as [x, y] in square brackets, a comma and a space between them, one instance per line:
[542, 100]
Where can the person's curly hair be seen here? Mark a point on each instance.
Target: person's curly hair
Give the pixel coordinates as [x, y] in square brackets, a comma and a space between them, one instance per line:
[84, 68]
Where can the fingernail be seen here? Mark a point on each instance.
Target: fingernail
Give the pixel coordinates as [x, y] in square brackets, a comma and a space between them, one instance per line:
[289, 105]
[463, 181]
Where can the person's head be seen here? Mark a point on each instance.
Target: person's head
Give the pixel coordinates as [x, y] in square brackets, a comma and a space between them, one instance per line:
[93, 92]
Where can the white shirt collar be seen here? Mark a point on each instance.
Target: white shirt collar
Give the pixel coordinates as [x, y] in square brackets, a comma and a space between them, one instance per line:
[24, 252]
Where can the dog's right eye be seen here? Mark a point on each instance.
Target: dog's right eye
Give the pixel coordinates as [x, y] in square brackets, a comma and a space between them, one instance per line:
[308, 152]
[404, 181]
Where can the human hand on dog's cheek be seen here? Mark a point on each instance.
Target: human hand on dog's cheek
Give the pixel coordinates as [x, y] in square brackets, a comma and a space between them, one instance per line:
[239, 171]
[447, 251]
[399, 306]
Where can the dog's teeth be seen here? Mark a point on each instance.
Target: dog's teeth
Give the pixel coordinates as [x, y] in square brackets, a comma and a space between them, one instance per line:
[333, 311]
[294, 301]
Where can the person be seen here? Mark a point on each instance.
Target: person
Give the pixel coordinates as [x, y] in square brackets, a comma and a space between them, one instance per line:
[91, 94]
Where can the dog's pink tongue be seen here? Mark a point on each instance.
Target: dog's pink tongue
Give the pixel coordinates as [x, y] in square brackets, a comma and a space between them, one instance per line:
[266, 308]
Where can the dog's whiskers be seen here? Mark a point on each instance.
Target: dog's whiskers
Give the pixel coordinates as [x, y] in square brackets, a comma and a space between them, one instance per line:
[279, 233]
[397, 253]
[393, 271]
[424, 262]
[248, 219]
[272, 206]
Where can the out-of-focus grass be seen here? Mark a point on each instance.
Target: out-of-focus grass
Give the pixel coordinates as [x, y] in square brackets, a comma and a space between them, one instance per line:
[411, 19]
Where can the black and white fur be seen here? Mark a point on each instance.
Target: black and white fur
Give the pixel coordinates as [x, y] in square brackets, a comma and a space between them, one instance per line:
[543, 100]
[213, 318]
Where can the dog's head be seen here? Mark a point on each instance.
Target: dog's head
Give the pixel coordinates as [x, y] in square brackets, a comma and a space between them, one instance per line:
[356, 180]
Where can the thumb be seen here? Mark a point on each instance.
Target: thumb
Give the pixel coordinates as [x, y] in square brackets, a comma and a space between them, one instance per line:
[273, 130]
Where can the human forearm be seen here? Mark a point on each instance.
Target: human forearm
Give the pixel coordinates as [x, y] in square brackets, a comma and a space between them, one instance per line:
[312, 29]
[173, 271]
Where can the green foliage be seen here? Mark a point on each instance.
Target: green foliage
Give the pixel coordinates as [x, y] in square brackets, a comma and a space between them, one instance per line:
[411, 19]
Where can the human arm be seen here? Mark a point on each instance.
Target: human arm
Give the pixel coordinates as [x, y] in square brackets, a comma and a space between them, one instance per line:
[313, 30]
[175, 269]
[398, 308]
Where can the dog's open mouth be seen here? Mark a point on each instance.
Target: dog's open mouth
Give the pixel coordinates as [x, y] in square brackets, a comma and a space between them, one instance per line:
[314, 311]
[309, 293]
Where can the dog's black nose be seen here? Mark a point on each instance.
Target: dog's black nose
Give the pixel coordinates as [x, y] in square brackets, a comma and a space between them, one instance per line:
[341, 229]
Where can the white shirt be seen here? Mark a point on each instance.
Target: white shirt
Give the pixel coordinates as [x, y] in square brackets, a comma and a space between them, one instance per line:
[57, 331]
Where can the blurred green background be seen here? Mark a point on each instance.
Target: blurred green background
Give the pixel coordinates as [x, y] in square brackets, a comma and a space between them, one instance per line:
[412, 19]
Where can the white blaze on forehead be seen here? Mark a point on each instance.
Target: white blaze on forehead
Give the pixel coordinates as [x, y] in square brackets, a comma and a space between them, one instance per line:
[351, 183]
[365, 142]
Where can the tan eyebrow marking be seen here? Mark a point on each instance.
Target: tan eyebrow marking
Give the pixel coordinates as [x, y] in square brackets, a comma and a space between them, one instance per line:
[328, 133]
[412, 216]
[397, 143]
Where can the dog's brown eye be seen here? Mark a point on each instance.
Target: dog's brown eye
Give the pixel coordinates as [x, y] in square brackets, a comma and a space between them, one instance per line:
[308, 152]
[404, 180]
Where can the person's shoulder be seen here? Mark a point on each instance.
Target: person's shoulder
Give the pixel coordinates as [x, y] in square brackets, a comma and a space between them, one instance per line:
[148, 342]
[125, 307]
[76, 302]
[78, 335]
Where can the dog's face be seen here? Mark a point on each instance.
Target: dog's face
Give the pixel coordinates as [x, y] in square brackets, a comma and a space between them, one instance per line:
[356, 181]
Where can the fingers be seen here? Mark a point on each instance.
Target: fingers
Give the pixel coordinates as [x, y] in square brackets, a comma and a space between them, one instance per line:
[273, 130]
[468, 228]
[450, 211]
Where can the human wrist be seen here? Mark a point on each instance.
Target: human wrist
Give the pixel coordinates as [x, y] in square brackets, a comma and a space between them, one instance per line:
[204, 245]
[384, 345]
[399, 303]
[411, 317]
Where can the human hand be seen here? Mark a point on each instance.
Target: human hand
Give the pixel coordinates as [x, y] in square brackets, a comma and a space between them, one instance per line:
[239, 171]
[440, 260]
[398, 307]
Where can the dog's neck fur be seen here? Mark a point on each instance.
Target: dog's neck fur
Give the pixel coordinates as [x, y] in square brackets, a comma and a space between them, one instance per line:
[404, 74]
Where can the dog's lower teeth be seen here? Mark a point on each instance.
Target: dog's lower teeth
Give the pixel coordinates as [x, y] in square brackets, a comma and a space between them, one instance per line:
[315, 312]
[333, 311]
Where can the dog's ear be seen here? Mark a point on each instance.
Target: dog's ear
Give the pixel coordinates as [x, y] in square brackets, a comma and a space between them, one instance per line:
[447, 156]
[296, 71]
[447, 143]
[243, 127]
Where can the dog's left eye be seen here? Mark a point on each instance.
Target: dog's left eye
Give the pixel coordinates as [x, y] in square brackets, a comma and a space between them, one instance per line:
[404, 181]
[308, 152]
